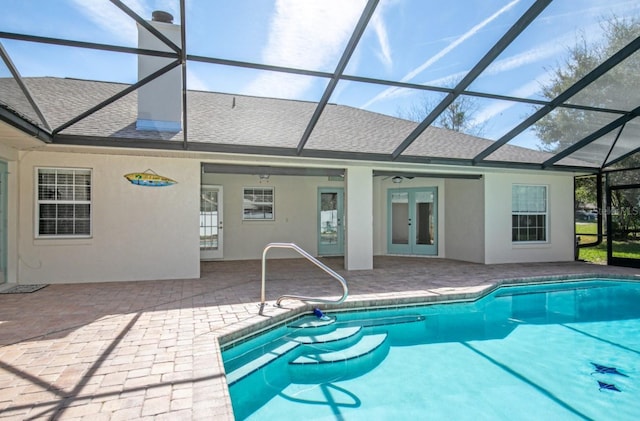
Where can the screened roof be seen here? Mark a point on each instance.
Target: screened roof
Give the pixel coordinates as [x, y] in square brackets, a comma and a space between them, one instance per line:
[537, 84]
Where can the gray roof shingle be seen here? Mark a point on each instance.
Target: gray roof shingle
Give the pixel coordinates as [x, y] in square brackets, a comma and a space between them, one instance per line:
[248, 121]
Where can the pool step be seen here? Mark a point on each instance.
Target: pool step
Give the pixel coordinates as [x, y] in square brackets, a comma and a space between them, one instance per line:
[244, 369]
[364, 346]
[321, 350]
[313, 324]
[250, 362]
[349, 362]
[340, 337]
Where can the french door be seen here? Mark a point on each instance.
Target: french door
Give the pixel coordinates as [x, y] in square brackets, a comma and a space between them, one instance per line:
[412, 221]
[330, 222]
[211, 222]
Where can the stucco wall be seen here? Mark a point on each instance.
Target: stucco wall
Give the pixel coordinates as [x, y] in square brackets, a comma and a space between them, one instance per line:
[359, 229]
[498, 245]
[138, 232]
[7, 153]
[12, 225]
[464, 224]
[153, 233]
[295, 214]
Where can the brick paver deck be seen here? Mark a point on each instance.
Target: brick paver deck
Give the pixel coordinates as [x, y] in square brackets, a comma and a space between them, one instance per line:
[149, 350]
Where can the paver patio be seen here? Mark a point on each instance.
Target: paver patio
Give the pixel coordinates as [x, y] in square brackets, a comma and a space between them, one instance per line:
[149, 350]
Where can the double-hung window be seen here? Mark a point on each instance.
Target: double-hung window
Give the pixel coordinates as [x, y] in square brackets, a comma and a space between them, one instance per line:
[529, 207]
[63, 207]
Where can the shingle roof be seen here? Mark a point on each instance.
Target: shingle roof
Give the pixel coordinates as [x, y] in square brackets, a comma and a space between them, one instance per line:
[248, 121]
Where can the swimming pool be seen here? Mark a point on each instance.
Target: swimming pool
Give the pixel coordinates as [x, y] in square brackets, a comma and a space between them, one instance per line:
[559, 351]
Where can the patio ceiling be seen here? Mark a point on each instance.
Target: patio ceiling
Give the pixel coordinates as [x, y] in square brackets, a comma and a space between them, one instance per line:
[491, 64]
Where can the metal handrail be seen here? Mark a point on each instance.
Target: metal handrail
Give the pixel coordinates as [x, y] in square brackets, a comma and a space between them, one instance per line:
[312, 260]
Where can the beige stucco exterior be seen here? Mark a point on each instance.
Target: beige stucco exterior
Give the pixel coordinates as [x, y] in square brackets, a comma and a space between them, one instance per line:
[464, 201]
[138, 233]
[146, 233]
[295, 214]
[497, 199]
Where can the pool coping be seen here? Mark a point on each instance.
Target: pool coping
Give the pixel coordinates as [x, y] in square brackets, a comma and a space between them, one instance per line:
[273, 316]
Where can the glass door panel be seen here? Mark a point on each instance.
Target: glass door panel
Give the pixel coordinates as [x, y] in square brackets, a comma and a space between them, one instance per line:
[424, 224]
[211, 222]
[400, 221]
[329, 218]
[330, 228]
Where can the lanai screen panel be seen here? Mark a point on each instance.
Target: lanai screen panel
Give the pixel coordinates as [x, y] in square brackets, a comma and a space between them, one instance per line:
[294, 78]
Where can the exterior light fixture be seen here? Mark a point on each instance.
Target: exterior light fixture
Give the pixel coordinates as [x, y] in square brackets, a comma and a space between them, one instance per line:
[397, 179]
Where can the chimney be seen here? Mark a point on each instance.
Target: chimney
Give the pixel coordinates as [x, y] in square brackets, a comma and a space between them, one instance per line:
[159, 101]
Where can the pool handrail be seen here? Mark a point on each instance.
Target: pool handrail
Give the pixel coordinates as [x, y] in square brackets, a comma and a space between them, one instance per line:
[313, 260]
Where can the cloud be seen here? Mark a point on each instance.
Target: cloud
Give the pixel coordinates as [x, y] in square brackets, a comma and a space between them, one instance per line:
[450, 47]
[304, 34]
[591, 10]
[498, 107]
[380, 30]
[470, 33]
[196, 83]
[542, 52]
[279, 85]
[447, 80]
[111, 19]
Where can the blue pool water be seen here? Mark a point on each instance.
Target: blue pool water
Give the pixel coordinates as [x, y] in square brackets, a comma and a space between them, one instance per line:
[520, 353]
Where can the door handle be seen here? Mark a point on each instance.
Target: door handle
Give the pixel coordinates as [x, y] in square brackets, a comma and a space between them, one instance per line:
[220, 225]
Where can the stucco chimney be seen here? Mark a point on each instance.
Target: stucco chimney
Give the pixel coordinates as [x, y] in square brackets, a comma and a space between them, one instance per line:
[159, 101]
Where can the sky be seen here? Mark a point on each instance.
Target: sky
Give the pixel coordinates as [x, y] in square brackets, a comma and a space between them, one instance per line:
[404, 41]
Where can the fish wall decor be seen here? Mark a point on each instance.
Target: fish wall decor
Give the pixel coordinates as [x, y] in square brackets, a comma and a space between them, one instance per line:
[149, 178]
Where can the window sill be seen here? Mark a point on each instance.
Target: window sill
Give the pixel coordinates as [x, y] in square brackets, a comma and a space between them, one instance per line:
[531, 245]
[66, 241]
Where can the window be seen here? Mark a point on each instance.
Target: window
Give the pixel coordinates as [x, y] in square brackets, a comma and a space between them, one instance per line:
[63, 202]
[529, 213]
[258, 203]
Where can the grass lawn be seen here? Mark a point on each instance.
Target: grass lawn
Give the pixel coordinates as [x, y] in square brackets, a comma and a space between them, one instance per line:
[598, 254]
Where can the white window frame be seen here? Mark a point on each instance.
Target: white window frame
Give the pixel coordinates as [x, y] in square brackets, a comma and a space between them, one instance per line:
[273, 203]
[532, 208]
[38, 201]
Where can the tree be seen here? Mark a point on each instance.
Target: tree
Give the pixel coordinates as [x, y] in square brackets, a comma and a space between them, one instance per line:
[459, 116]
[586, 192]
[565, 126]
